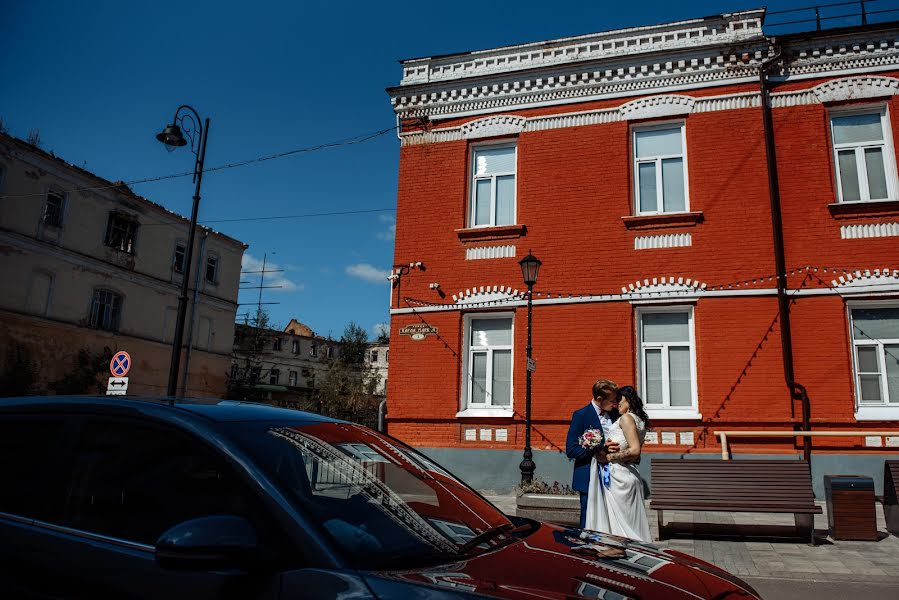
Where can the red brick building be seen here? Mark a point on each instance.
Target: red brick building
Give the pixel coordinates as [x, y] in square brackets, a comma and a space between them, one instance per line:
[633, 164]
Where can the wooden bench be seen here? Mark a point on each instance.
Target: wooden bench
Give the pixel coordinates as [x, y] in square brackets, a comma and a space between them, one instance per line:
[762, 486]
[890, 498]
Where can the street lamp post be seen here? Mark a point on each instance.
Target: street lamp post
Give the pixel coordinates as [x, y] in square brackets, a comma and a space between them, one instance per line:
[188, 119]
[530, 265]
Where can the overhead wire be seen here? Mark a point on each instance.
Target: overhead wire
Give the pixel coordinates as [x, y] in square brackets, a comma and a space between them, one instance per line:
[359, 139]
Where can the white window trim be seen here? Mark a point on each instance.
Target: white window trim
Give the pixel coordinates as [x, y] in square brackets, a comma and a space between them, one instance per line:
[487, 410]
[218, 268]
[183, 243]
[658, 160]
[56, 190]
[889, 156]
[472, 179]
[666, 411]
[870, 411]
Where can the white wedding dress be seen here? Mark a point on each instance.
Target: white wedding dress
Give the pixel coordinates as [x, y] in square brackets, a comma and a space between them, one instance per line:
[618, 509]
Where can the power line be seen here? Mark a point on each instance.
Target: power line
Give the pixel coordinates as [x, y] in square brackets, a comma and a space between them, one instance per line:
[359, 139]
[279, 217]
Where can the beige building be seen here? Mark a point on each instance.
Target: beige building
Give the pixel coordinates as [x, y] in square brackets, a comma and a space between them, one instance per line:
[91, 265]
[376, 358]
[286, 365]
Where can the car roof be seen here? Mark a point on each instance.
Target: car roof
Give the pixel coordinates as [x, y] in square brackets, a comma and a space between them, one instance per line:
[213, 409]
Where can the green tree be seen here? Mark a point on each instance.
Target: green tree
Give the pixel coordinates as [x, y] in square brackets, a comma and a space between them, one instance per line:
[347, 391]
[19, 376]
[87, 375]
[248, 358]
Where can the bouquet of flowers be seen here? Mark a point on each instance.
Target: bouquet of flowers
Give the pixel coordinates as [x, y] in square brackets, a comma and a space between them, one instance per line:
[591, 439]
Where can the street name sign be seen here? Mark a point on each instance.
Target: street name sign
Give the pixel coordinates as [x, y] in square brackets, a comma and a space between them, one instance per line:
[117, 386]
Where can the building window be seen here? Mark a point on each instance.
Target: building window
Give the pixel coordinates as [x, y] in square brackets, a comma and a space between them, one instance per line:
[295, 347]
[276, 344]
[273, 376]
[313, 350]
[53, 209]
[493, 185]
[292, 378]
[212, 269]
[329, 351]
[875, 340]
[386, 356]
[121, 231]
[660, 169]
[667, 358]
[374, 357]
[106, 310]
[178, 259]
[863, 155]
[311, 381]
[255, 374]
[235, 371]
[489, 366]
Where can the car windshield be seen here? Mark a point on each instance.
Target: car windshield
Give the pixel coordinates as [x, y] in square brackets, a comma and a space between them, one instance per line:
[383, 503]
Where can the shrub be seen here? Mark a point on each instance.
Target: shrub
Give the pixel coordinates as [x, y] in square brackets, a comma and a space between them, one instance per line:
[538, 486]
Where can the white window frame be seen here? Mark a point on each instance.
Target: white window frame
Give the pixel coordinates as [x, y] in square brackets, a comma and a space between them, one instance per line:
[276, 375]
[292, 378]
[183, 245]
[889, 157]
[871, 411]
[63, 201]
[485, 410]
[473, 179]
[658, 162]
[666, 411]
[212, 256]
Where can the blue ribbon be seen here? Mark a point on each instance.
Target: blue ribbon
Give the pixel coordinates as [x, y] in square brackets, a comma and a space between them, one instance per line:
[605, 475]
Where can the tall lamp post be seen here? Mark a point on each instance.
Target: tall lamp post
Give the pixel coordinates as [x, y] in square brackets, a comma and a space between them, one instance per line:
[186, 118]
[530, 265]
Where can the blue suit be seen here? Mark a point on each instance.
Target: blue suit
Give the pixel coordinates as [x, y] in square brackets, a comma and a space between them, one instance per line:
[583, 419]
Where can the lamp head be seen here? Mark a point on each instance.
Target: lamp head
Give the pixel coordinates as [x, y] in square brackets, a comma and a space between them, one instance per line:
[530, 265]
[171, 137]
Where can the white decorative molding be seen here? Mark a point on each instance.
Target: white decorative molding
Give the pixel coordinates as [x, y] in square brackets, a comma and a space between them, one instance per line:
[492, 126]
[478, 295]
[856, 88]
[867, 278]
[869, 230]
[664, 285]
[490, 252]
[673, 240]
[657, 106]
[642, 61]
[726, 29]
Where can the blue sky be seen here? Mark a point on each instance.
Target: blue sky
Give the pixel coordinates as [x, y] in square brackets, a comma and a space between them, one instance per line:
[99, 79]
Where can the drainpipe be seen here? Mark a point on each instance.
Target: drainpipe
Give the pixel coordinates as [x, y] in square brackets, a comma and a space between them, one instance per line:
[193, 317]
[797, 390]
[382, 413]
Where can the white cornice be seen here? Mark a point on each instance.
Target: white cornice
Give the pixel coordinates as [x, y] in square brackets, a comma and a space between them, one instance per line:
[580, 70]
[482, 294]
[721, 30]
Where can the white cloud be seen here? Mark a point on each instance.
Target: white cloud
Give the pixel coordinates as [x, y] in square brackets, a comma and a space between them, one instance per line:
[251, 263]
[381, 329]
[367, 272]
[390, 233]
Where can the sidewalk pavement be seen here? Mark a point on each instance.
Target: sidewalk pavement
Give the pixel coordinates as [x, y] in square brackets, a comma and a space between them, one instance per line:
[756, 546]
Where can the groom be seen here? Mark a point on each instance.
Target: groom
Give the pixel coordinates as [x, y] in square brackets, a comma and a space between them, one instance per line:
[599, 414]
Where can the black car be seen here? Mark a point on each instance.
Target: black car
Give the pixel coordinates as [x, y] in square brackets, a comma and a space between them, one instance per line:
[128, 498]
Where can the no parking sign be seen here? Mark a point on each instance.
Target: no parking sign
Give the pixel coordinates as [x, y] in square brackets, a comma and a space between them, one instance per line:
[120, 364]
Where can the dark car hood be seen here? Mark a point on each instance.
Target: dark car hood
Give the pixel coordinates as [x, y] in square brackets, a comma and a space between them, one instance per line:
[561, 562]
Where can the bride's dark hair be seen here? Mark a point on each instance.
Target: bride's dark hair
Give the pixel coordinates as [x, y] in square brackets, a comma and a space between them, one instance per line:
[635, 403]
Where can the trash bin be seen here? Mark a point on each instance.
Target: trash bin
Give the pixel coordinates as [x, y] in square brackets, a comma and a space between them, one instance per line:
[851, 510]
[890, 497]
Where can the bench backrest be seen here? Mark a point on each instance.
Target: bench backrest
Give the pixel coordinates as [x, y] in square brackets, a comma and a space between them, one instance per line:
[890, 481]
[744, 483]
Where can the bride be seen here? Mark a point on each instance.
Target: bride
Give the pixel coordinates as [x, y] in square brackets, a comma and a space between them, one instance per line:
[615, 498]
